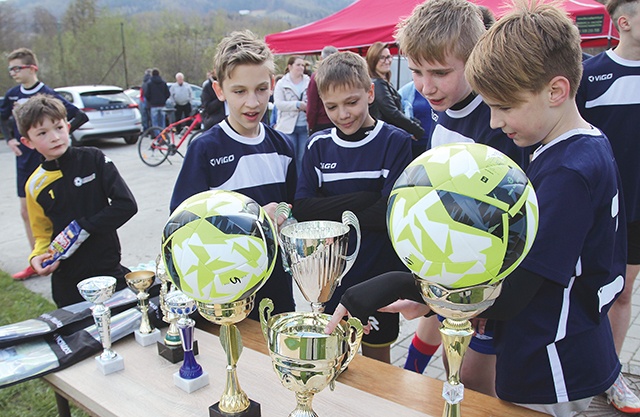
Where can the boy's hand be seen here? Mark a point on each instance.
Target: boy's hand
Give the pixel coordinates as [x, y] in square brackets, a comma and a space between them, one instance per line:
[14, 146]
[408, 308]
[270, 209]
[36, 264]
[339, 314]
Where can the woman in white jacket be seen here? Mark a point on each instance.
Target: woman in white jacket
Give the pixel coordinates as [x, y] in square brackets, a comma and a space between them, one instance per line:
[290, 98]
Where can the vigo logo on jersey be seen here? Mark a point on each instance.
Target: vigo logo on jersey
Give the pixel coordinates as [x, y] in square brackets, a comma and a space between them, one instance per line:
[328, 165]
[600, 77]
[222, 160]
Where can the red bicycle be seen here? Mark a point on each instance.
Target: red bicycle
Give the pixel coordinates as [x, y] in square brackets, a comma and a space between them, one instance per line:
[156, 145]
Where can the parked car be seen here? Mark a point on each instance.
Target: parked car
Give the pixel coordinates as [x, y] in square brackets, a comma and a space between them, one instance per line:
[111, 112]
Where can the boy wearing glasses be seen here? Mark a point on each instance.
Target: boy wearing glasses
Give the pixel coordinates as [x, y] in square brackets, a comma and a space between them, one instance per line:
[23, 68]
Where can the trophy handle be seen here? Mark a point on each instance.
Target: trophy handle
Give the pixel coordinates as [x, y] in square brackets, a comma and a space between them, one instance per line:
[354, 338]
[350, 219]
[282, 208]
[266, 307]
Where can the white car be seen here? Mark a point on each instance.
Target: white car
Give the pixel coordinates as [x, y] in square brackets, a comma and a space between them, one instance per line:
[112, 113]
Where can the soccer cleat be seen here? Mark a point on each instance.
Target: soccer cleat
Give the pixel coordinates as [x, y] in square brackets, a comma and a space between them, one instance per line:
[622, 397]
[28, 272]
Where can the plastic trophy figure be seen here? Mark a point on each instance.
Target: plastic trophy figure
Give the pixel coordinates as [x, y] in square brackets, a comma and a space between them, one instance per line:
[139, 282]
[305, 359]
[97, 290]
[170, 347]
[190, 377]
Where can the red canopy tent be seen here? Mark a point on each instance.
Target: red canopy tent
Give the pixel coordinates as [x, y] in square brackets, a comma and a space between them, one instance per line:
[364, 22]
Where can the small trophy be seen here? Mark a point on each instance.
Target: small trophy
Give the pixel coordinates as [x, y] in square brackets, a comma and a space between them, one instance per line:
[97, 290]
[190, 377]
[315, 252]
[234, 400]
[306, 359]
[139, 282]
[171, 347]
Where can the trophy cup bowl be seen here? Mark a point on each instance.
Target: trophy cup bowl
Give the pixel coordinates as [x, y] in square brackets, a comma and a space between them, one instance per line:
[97, 290]
[306, 359]
[139, 282]
[315, 252]
[190, 377]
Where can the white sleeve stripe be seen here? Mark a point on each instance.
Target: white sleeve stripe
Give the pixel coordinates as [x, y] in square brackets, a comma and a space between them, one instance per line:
[340, 176]
[624, 91]
[256, 170]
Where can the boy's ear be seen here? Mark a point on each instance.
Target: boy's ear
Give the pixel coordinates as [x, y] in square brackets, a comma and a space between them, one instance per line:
[27, 142]
[272, 84]
[217, 88]
[623, 23]
[559, 90]
[371, 93]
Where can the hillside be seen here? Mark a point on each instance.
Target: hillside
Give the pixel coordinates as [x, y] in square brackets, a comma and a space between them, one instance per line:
[295, 12]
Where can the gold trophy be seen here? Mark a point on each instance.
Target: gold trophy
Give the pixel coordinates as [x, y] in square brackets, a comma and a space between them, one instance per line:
[234, 400]
[139, 282]
[98, 290]
[305, 359]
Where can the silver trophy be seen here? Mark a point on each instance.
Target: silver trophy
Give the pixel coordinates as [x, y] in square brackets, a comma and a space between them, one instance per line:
[170, 347]
[315, 252]
[190, 377]
[97, 290]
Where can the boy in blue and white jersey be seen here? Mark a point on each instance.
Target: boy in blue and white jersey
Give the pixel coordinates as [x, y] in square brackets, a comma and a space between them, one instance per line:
[609, 98]
[553, 340]
[241, 153]
[354, 167]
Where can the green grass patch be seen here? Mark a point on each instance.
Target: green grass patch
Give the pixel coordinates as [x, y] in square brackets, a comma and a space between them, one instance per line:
[35, 397]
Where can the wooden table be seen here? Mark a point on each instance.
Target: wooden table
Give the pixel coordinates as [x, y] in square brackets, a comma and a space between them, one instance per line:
[145, 387]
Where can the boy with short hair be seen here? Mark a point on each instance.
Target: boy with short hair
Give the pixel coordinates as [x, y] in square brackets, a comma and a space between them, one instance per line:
[551, 317]
[608, 99]
[23, 68]
[353, 167]
[73, 187]
[240, 153]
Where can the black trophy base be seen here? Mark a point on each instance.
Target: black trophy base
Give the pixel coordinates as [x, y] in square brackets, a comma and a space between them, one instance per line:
[252, 411]
[174, 354]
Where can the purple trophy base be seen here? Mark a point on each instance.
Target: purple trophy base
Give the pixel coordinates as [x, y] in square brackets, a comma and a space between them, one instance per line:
[190, 369]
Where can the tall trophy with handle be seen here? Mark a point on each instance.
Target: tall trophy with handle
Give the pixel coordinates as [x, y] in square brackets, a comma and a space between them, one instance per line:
[461, 217]
[219, 248]
[97, 290]
[304, 358]
[139, 282]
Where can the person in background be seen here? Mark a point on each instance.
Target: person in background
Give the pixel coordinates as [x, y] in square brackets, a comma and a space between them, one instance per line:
[23, 68]
[317, 118]
[608, 98]
[290, 98]
[213, 109]
[181, 95]
[387, 105]
[415, 106]
[144, 109]
[156, 93]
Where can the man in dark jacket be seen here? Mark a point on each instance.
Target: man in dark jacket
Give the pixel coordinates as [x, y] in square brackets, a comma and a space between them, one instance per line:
[156, 94]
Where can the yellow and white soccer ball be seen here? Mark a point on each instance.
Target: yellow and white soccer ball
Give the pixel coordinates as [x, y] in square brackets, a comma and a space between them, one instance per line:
[219, 246]
[462, 215]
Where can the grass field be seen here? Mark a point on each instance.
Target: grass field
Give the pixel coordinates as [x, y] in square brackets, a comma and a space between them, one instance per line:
[30, 398]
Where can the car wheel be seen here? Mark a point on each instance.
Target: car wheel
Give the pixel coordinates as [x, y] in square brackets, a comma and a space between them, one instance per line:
[131, 139]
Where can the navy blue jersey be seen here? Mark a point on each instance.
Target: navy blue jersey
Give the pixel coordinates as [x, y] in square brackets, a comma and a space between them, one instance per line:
[262, 168]
[332, 166]
[609, 98]
[18, 95]
[560, 347]
[472, 124]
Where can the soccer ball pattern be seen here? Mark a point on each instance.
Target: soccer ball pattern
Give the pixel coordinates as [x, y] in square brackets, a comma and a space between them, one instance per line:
[219, 247]
[462, 215]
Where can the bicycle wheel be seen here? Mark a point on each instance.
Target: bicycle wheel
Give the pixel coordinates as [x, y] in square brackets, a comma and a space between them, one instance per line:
[153, 146]
[195, 135]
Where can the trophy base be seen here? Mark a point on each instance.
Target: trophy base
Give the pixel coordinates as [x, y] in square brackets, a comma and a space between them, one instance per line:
[174, 354]
[252, 411]
[108, 367]
[146, 339]
[191, 385]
